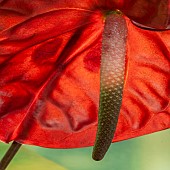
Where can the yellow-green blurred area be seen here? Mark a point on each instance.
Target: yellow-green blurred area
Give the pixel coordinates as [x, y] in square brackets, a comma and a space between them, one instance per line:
[150, 152]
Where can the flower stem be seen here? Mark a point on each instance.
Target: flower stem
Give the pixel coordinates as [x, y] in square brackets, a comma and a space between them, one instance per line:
[9, 155]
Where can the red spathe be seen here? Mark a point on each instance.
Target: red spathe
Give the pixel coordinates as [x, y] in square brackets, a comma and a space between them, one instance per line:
[50, 70]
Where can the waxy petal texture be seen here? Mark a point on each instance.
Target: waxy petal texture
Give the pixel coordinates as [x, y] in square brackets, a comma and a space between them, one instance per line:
[50, 70]
[154, 14]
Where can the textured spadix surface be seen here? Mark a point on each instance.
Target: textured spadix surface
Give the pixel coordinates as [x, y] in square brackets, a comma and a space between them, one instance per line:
[50, 68]
[111, 81]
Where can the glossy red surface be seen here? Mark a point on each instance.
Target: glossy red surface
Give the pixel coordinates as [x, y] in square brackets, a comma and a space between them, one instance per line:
[152, 14]
[50, 69]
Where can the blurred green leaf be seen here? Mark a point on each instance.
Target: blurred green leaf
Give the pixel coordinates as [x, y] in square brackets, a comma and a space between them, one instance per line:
[150, 152]
[28, 159]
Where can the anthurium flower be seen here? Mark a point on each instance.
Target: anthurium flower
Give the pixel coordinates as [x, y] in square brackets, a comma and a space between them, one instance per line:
[50, 70]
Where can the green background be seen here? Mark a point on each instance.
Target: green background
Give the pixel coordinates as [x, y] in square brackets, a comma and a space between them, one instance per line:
[150, 152]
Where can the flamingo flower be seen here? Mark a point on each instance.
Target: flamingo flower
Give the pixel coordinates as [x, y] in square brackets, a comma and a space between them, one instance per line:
[50, 65]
